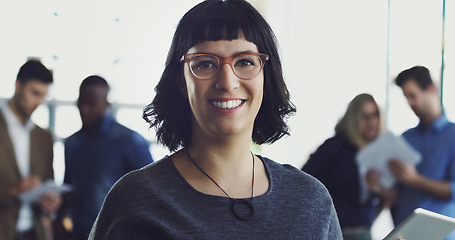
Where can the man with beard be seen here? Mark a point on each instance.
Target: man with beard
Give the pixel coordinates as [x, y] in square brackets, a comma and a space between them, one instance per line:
[431, 183]
[26, 156]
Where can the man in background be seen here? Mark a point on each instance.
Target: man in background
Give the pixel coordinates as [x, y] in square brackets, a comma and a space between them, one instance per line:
[97, 155]
[26, 157]
[431, 183]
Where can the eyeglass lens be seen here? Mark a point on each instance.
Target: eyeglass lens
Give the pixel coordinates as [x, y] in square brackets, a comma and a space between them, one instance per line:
[244, 66]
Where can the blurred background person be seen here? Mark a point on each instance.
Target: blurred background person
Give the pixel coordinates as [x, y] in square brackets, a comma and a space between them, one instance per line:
[431, 183]
[334, 164]
[97, 155]
[26, 158]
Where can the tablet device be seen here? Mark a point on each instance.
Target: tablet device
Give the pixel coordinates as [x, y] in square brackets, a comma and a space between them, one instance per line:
[423, 225]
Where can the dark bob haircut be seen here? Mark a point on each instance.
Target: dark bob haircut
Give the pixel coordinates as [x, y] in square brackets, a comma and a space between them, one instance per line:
[36, 71]
[212, 20]
[419, 74]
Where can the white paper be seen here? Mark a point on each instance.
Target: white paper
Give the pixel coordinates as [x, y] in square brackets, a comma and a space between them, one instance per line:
[34, 194]
[379, 152]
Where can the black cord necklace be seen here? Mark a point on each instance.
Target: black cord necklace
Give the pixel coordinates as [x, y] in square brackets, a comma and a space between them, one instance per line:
[236, 203]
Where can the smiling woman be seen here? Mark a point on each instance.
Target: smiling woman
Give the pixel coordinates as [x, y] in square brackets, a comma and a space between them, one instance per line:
[209, 97]
[221, 89]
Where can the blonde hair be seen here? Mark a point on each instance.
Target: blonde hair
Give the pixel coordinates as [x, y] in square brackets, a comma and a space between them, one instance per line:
[349, 124]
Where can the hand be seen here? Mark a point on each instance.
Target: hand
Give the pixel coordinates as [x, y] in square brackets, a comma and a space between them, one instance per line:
[372, 180]
[404, 173]
[388, 196]
[25, 185]
[50, 202]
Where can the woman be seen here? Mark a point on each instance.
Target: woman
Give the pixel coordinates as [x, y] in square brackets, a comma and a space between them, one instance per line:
[334, 164]
[222, 88]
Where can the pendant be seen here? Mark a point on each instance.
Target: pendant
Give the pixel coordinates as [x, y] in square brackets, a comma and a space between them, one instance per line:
[240, 205]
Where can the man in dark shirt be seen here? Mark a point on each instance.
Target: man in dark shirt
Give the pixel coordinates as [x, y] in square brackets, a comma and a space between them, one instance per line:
[97, 155]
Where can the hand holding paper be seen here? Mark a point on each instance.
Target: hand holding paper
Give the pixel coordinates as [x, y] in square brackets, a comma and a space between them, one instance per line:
[403, 172]
[33, 195]
[50, 201]
[25, 184]
[378, 153]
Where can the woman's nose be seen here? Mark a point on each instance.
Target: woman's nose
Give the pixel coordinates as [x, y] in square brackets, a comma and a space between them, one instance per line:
[226, 79]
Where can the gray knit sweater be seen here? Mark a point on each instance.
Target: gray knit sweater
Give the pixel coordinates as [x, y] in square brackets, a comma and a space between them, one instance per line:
[156, 202]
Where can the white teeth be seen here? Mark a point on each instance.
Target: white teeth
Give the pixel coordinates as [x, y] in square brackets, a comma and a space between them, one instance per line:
[227, 104]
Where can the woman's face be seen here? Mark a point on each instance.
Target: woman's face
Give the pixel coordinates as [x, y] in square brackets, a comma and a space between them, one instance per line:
[370, 122]
[224, 105]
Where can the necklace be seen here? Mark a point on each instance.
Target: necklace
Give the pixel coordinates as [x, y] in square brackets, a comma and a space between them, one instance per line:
[237, 204]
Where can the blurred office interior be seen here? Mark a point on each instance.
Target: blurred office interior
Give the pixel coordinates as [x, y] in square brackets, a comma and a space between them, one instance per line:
[331, 51]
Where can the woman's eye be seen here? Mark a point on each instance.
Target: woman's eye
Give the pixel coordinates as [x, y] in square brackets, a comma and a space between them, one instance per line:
[205, 65]
[245, 62]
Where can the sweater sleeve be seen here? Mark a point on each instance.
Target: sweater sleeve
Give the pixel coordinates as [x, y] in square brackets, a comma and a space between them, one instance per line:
[125, 213]
[115, 222]
[334, 230]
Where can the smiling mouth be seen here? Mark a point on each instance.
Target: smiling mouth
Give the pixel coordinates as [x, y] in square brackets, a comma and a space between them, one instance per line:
[227, 104]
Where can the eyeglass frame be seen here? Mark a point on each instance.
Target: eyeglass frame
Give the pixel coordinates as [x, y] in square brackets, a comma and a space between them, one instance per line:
[228, 60]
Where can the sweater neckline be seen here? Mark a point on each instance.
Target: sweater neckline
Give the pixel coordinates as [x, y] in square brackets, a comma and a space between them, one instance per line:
[191, 188]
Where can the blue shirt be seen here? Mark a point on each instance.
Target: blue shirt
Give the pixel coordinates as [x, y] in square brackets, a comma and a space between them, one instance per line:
[436, 143]
[94, 163]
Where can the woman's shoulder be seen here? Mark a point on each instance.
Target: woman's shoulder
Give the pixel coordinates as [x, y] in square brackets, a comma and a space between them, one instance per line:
[296, 185]
[149, 175]
[281, 168]
[288, 174]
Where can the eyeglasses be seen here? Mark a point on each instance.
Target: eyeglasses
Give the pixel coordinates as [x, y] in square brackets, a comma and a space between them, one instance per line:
[244, 66]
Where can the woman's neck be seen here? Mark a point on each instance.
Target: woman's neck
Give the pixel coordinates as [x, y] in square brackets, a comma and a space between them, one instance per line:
[221, 153]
